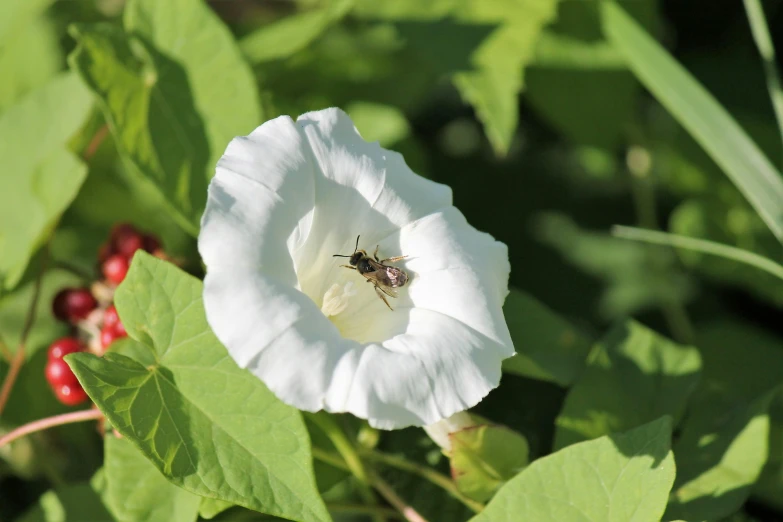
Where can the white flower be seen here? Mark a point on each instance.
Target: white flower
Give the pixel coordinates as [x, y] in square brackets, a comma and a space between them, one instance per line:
[288, 197]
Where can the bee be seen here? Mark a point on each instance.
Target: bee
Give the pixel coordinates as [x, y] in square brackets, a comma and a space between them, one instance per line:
[385, 278]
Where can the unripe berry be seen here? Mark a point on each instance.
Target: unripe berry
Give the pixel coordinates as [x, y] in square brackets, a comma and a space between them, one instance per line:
[73, 304]
[70, 395]
[115, 268]
[62, 347]
[58, 373]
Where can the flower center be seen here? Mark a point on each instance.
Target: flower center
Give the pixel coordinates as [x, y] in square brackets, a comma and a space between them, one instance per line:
[336, 299]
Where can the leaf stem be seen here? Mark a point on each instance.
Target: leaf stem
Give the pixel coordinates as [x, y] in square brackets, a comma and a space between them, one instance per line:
[50, 422]
[95, 142]
[391, 496]
[346, 450]
[700, 245]
[19, 357]
[760, 30]
[426, 473]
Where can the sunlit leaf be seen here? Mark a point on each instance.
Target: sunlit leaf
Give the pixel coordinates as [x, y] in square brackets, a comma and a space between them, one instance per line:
[632, 375]
[136, 491]
[207, 425]
[40, 176]
[616, 478]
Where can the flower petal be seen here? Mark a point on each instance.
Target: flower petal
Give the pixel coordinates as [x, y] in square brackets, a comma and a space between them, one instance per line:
[261, 197]
[363, 190]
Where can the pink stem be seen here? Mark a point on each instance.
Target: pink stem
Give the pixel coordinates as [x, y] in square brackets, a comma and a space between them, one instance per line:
[49, 422]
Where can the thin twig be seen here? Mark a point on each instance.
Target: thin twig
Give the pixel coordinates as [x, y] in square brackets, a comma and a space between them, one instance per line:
[50, 422]
[19, 357]
[426, 473]
[391, 496]
[5, 351]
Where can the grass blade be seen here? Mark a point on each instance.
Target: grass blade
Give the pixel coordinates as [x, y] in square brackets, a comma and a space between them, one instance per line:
[698, 112]
[700, 245]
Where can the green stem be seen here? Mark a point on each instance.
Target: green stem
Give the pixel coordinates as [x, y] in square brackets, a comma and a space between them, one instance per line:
[347, 451]
[391, 496]
[426, 473]
[758, 26]
[700, 245]
[673, 311]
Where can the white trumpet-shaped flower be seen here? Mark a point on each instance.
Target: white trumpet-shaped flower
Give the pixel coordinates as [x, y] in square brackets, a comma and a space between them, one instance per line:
[288, 197]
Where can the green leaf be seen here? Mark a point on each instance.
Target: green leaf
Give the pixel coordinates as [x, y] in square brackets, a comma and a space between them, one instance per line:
[41, 177]
[77, 502]
[207, 425]
[376, 122]
[492, 87]
[616, 478]
[291, 34]
[223, 87]
[720, 455]
[15, 15]
[173, 98]
[548, 347]
[696, 110]
[28, 61]
[633, 375]
[137, 492]
[485, 457]
[210, 507]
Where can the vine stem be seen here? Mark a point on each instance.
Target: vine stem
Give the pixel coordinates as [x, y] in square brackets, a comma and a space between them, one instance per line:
[426, 473]
[50, 422]
[19, 357]
[387, 492]
[349, 455]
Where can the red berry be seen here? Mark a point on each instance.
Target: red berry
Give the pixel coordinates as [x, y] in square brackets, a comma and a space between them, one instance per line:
[110, 334]
[58, 373]
[151, 243]
[110, 317]
[73, 304]
[120, 329]
[115, 268]
[119, 230]
[70, 395]
[62, 347]
[127, 244]
[104, 251]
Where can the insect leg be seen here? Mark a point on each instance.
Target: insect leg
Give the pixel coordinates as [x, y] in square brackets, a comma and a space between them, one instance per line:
[349, 266]
[393, 259]
[375, 254]
[380, 294]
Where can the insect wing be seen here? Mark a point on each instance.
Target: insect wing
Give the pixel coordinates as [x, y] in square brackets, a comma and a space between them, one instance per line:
[381, 280]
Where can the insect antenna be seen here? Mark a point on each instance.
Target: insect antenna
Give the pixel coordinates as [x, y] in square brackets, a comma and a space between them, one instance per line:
[354, 248]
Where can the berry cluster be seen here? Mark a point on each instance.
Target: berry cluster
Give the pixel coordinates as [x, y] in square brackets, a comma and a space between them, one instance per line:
[91, 312]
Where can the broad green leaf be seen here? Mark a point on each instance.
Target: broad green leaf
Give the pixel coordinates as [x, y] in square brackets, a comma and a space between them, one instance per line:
[149, 107]
[696, 110]
[194, 38]
[41, 177]
[136, 491]
[548, 347]
[633, 375]
[210, 507]
[15, 15]
[15, 306]
[494, 84]
[720, 455]
[616, 478]
[208, 426]
[28, 60]
[71, 503]
[485, 457]
[291, 34]
[382, 123]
